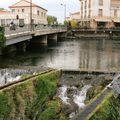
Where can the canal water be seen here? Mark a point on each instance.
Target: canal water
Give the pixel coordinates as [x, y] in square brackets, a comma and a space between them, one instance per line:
[69, 54]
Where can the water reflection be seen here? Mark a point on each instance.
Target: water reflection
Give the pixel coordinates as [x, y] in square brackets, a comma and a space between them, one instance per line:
[71, 54]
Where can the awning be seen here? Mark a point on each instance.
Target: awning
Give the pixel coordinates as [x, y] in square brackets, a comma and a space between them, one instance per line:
[103, 20]
[116, 20]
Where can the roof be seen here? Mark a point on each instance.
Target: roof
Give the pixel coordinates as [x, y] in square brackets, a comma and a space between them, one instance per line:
[3, 11]
[75, 13]
[25, 3]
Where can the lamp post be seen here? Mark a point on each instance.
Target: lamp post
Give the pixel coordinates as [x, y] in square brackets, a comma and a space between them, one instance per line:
[64, 5]
[31, 15]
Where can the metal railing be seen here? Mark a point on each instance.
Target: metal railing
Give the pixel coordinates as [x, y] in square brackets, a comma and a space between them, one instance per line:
[35, 27]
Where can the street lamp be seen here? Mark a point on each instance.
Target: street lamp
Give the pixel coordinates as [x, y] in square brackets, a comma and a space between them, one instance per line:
[31, 15]
[64, 11]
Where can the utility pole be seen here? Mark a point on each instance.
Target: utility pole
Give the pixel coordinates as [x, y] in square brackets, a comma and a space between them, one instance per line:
[64, 5]
[30, 15]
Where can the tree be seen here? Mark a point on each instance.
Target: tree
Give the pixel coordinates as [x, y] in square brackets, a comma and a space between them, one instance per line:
[74, 23]
[52, 20]
[2, 9]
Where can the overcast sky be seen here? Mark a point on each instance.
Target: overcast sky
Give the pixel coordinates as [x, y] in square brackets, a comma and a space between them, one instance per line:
[53, 6]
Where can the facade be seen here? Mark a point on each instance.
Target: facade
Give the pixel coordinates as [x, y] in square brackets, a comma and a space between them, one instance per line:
[20, 14]
[75, 16]
[100, 13]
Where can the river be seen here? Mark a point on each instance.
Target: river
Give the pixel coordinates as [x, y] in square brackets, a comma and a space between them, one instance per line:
[66, 54]
[69, 54]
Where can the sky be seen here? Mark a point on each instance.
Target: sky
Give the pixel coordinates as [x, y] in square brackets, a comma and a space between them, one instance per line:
[54, 7]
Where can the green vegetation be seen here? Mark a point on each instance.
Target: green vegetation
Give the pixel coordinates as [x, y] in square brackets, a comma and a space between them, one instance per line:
[108, 110]
[24, 100]
[2, 9]
[52, 20]
[71, 24]
[53, 111]
[93, 93]
[74, 23]
[2, 37]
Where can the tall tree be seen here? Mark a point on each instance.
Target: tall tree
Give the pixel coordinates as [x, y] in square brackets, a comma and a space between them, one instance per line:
[2, 9]
[52, 20]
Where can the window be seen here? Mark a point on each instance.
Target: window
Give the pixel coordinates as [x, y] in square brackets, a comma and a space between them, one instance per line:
[85, 14]
[81, 14]
[115, 13]
[22, 10]
[42, 14]
[100, 12]
[89, 15]
[100, 2]
[89, 3]
[38, 13]
[85, 4]
[2, 21]
[13, 10]
[81, 6]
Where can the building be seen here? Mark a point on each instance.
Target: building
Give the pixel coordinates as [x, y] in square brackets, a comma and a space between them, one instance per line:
[20, 14]
[75, 16]
[67, 18]
[99, 13]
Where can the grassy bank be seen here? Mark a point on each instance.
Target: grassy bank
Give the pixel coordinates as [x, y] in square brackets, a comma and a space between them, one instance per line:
[109, 109]
[23, 101]
[2, 37]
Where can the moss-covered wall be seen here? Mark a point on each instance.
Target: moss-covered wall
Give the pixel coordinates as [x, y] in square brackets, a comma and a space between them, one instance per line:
[25, 100]
[108, 110]
[2, 37]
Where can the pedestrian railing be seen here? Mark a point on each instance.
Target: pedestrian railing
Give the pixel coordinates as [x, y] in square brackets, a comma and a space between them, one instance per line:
[33, 28]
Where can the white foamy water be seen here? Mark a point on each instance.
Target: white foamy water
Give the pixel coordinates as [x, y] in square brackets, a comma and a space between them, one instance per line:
[78, 97]
[81, 96]
[63, 94]
[115, 85]
[6, 77]
[10, 75]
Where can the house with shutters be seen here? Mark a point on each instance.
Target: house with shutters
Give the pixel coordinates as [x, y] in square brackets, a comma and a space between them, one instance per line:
[20, 14]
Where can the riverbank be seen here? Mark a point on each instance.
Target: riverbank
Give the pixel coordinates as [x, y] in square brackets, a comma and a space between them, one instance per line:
[96, 33]
[51, 95]
[28, 99]
[109, 109]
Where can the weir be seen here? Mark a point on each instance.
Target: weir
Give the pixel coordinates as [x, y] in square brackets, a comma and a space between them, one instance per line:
[73, 96]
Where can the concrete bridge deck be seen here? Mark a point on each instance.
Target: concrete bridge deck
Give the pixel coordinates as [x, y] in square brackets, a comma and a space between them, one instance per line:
[25, 33]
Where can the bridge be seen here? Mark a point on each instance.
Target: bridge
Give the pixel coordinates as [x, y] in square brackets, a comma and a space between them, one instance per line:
[24, 33]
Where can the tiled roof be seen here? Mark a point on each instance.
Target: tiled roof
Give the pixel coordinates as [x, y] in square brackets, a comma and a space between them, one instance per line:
[27, 5]
[3, 11]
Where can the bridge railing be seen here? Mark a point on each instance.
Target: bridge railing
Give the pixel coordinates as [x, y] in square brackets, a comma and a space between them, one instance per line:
[16, 29]
[49, 27]
[27, 28]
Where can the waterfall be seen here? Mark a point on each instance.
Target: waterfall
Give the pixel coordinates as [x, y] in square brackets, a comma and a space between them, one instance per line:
[78, 96]
[10, 75]
[63, 94]
[71, 94]
[81, 96]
